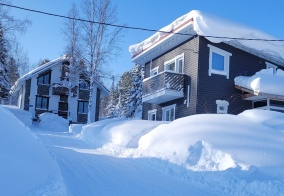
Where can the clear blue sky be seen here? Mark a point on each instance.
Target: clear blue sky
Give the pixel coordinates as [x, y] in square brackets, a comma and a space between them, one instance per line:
[44, 39]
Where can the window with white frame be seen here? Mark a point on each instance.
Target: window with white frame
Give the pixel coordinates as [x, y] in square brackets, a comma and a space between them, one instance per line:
[169, 112]
[176, 64]
[219, 61]
[270, 65]
[222, 106]
[152, 115]
[154, 71]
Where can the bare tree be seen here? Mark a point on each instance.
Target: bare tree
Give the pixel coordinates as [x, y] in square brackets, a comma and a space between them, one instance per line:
[100, 40]
[21, 58]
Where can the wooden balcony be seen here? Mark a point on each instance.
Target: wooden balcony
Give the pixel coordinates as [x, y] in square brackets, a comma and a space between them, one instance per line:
[163, 87]
[58, 89]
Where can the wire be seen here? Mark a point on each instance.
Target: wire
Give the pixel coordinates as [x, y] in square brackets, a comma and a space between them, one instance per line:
[136, 28]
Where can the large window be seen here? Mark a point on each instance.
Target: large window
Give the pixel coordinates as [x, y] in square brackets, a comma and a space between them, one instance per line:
[83, 107]
[42, 103]
[152, 115]
[84, 85]
[169, 112]
[44, 79]
[176, 64]
[219, 61]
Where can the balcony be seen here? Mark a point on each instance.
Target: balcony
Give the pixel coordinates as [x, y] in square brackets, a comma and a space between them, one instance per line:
[163, 87]
[59, 89]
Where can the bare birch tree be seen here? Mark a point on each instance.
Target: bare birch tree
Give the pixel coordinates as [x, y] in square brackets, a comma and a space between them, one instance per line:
[100, 40]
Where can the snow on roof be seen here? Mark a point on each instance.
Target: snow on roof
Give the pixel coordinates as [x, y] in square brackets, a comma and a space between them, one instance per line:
[210, 26]
[264, 81]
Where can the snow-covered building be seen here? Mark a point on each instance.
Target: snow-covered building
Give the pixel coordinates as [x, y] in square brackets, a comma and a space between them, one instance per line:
[46, 89]
[190, 66]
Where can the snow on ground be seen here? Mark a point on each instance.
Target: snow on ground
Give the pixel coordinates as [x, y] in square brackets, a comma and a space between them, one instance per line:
[26, 167]
[209, 154]
[264, 81]
[53, 122]
[207, 25]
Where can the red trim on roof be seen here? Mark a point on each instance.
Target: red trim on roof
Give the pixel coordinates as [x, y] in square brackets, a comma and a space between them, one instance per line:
[164, 36]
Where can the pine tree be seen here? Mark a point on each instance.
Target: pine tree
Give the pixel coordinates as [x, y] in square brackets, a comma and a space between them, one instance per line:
[124, 85]
[4, 82]
[112, 109]
[135, 98]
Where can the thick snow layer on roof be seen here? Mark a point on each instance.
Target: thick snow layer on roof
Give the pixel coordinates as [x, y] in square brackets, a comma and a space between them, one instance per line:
[207, 25]
[264, 81]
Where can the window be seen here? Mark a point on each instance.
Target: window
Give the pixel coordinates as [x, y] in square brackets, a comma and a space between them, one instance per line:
[176, 64]
[83, 107]
[154, 71]
[222, 106]
[219, 61]
[42, 102]
[274, 67]
[44, 79]
[83, 84]
[169, 112]
[152, 114]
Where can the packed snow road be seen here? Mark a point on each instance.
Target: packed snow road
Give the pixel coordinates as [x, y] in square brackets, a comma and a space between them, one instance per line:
[87, 171]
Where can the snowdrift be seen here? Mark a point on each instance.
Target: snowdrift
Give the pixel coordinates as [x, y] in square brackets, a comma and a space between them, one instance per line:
[26, 167]
[53, 122]
[264, 81]
[208, 142]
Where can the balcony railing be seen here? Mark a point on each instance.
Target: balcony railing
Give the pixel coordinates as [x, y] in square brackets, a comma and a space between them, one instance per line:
[163, 87]
[59, 89]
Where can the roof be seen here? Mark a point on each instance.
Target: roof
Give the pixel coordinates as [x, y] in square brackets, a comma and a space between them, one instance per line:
[212, 28]
[45, 67]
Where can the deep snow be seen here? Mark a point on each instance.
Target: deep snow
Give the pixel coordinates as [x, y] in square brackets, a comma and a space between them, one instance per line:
[210, 154]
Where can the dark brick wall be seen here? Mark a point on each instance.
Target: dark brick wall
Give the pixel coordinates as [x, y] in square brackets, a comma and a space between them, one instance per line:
[190, 50]
[27, 95]
[214, 87]
[42, 89]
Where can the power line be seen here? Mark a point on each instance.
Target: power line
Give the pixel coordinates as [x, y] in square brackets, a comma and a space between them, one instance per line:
[135, 28]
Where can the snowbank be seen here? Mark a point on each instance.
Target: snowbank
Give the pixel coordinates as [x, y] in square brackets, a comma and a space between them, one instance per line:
[22, 115]
[53, 122]
[264, 81]
[121, 132]
[25, 165]
[207, 25]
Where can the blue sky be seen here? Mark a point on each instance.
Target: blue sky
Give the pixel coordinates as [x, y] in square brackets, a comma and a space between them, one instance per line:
[44, 39]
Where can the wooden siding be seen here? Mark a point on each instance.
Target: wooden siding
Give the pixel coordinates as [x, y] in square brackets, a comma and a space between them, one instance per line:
[27, 95]
[217, 87]
[190, 50]
[84, 94]
[43, 89]
[98, 97]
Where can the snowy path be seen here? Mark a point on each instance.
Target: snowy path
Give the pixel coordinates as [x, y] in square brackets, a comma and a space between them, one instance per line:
[87, 172]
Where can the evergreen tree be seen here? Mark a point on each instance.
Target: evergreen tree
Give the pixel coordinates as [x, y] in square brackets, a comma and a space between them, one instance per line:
[12, 71]
[135, 93]
[112, 109]
[124, 85]
[4, 81]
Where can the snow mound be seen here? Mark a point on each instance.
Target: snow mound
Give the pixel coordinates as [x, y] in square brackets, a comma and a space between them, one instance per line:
[207, 25]
[53, 122]
[217, 142]
[25, 164]
[264, 81]
[22, 115]
[118, 132]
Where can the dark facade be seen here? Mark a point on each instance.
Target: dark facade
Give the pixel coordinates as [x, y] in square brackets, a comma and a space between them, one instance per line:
[27, 95]
[204, 89]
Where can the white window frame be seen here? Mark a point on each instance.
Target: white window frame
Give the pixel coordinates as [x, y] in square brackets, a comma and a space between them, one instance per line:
[152, 112]
[226, 56]
[169, 108]
[154, 71]
[270, 65]
[222, 106]
[176, 62]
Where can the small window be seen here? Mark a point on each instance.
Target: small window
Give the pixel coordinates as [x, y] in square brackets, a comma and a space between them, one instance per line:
[154, 71]
[169, 113]
[83, 107]
[222, 106]
[152, 115]
[44, 79]
[42, 103]
[84, 85]
[176, 64]
[219, 61]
